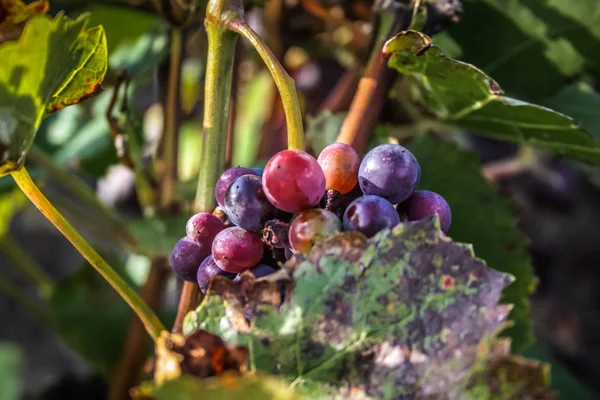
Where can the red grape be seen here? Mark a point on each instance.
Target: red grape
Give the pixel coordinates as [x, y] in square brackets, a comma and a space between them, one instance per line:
[340, 163]
[226, 179]
[236, 250]
[312, 226]
[293, 181]
[203, 227]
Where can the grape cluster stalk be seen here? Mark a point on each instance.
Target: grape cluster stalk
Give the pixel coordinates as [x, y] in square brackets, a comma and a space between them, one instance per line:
[298, 200]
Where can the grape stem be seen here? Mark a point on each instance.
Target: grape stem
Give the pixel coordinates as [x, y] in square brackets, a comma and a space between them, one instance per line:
[285, 84]
[27, 265]
[171, 120]
[147, 316]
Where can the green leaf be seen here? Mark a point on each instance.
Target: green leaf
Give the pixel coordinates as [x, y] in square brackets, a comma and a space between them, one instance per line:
[49, 56]
[323, 129]
[522, 33]
[382, 318]
[120, 23]
[91, 317]
[224, 387]
[481, 217]
[581, 102]
[10, 372]
[141, 56]
[462, 95]
[157, 236]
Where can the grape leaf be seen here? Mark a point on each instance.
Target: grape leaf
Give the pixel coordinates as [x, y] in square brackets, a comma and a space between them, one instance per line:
[157, 236]
[581, 102]
[49, 55]
[224, 387]
[481, 217]
[10, 371]
[460, 94]
[512, 39]
[405, 313]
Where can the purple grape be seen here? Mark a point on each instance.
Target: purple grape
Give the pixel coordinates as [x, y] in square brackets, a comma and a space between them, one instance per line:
[259, 171]
[246, 204]
[186, 258]
[423, 204]
[236, 250]
[259, 271]
[208, 268]
[203, 227]
[226, 179]
[369, 215]
[389, 171]
[288, 253]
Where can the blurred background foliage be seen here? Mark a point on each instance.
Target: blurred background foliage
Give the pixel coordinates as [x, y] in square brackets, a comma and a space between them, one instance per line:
[526, 211]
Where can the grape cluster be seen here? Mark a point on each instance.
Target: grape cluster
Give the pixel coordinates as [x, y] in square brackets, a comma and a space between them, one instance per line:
[296, 201]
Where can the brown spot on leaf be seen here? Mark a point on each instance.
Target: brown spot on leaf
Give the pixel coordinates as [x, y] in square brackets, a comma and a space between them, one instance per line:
[495, 88]
[447, 282]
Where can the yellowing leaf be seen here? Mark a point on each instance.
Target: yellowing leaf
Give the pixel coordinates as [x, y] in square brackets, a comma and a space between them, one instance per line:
[14, 14]
[43, 68]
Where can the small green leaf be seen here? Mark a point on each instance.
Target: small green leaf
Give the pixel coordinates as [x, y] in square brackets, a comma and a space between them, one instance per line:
[482, 218]
[224, 387]
[460, 94]
[47, 57]
[10, 372]
[381, 318]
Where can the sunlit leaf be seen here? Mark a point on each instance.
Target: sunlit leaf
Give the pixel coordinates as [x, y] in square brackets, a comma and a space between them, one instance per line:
[460, 94]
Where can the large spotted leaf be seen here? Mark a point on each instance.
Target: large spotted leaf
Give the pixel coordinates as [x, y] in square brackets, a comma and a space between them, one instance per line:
[406, 313]
[55, 63]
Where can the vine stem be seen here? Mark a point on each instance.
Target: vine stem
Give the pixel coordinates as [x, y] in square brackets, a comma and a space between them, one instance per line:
[285, 84]
[27, 265]
[147, 316]
[171, 120]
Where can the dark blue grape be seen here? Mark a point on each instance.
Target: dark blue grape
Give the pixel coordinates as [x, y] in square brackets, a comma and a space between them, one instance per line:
[389, 171]
[258, 171]
[259, 271]
[226, 179]
[246, 204]
[186, 258]
[369, 215]
[208, 268]
[424, 204]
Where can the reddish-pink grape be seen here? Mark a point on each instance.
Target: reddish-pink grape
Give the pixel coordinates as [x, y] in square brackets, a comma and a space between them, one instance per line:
[293, 181]
[369, 215]
[423, 204]
[186, 258]
[207, 270]
[340, 163]
[236, 250]
[312, 226]
[203, 227]
[226, 179]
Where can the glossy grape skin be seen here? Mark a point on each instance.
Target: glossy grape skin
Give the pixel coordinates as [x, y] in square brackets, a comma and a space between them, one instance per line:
[312, 226]
[340, 164]
[186, 258]
[370, 214]
[226, 179]
[236, 250]
[293, 181]
[246, 204]
[259, 271]
[389, 171]
[424, 204]
[203, 227]
[207, 270]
